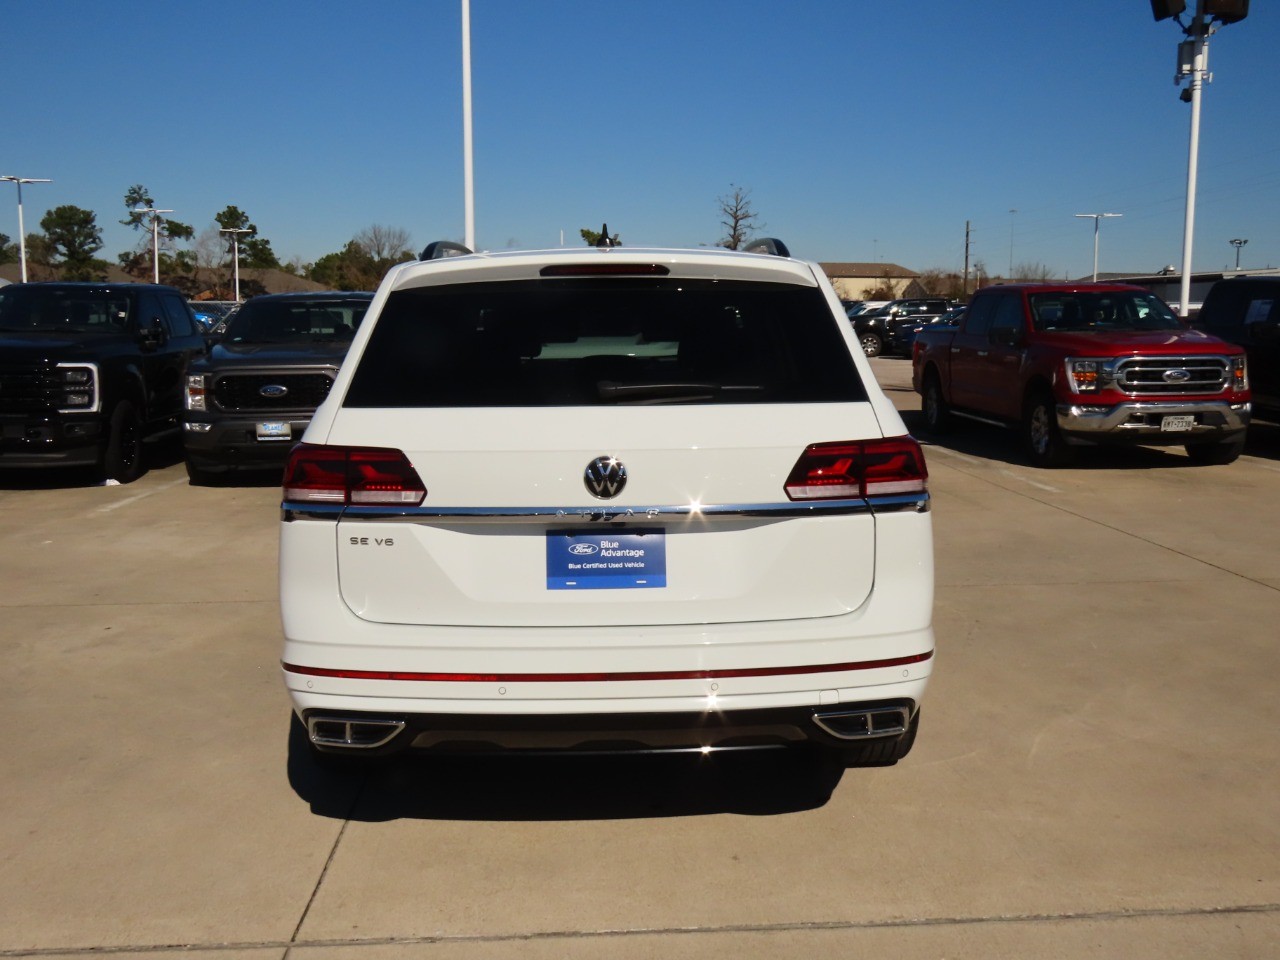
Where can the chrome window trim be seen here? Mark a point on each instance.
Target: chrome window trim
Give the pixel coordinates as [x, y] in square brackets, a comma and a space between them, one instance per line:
[911, 502]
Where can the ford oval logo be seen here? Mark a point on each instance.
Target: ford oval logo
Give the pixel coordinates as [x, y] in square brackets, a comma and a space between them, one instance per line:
[583, 549]
[273, 391]
[1177, 375]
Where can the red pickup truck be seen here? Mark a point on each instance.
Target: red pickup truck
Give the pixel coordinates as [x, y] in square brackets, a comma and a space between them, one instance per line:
[1075, 364]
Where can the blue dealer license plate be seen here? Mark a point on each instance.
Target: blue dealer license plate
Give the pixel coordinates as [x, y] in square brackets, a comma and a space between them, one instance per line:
[606, 560]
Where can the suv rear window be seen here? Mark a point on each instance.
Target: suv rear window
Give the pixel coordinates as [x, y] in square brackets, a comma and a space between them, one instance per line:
[595, 342]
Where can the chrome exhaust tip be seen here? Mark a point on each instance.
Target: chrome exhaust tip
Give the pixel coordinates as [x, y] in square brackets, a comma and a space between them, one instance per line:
[353, 733]
[865, 724]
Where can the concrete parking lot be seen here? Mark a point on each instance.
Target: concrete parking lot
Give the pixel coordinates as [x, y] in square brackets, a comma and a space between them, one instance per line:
[1096, 772]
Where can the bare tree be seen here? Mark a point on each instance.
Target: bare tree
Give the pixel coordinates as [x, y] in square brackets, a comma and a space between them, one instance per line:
[737, 217]
[384, 243]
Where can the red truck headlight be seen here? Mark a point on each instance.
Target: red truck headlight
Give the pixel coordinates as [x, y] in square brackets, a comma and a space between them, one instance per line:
[1239, 374]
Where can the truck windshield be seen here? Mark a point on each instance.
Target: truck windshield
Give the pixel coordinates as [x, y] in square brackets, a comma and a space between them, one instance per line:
[296, 321]
[62, 310]
[1086, 311]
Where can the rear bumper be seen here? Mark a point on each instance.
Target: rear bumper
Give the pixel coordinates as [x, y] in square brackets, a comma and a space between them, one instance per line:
[383, 733]
[1141, 422]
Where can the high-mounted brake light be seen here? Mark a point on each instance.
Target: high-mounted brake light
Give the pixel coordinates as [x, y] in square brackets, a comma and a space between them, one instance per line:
[607, 269]
[355, 476]
[858, 469]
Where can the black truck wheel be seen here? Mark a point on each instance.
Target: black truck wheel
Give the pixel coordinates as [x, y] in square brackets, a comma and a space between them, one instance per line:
[1217, 453]
[122, 460]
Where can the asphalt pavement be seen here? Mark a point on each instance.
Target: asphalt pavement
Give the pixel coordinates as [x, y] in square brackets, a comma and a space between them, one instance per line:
[1095, 775]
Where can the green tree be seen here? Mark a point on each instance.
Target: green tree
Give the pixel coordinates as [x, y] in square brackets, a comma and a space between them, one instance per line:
[365, 260]
[592, 237]
[255, 251]
[74, 236]
[8, 251]
[137, 262]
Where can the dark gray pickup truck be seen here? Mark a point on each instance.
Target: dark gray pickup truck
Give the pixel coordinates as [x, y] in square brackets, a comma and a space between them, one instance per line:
[251, 398]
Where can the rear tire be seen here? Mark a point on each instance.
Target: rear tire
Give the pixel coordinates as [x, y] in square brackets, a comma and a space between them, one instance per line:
[200, 477]
[123, 458]
[871, 344]
[934, 406]
[1040, 436]
[1216, 454]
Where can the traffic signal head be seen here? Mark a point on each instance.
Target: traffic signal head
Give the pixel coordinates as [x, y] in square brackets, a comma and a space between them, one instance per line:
[1226, 11]
[1164, 9]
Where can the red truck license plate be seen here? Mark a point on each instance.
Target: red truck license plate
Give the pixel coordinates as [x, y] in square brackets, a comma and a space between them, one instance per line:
[1176, 424]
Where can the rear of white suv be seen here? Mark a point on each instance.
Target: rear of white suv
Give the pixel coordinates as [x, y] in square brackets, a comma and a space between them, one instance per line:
[607, 500]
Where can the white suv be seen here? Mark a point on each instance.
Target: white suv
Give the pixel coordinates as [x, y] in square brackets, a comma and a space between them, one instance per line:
[606, 500]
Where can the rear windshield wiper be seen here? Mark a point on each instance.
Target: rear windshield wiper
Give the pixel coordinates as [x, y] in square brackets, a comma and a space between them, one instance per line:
[611, 391]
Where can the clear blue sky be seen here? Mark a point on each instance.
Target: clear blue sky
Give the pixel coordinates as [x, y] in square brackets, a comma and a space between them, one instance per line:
[864, 131]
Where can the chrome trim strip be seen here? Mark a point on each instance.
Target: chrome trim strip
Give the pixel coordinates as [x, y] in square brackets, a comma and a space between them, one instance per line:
[912, 502]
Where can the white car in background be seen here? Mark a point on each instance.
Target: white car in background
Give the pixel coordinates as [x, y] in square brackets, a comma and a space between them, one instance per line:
[606, 500]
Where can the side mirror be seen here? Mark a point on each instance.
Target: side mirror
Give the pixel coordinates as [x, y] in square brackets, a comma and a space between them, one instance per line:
[153, 336]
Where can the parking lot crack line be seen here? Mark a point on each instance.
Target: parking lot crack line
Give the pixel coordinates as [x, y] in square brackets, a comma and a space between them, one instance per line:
[324, 871]
[1100, 916]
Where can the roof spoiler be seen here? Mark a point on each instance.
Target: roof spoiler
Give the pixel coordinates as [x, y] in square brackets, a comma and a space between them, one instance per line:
[444, 248]
[767, 245]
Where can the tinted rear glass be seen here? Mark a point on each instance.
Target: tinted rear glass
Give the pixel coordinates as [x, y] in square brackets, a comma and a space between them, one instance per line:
[599, 342]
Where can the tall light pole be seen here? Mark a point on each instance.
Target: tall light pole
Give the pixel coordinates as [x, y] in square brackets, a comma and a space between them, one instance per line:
[1011, 213]
[235, 252]
[468, 174]
[1237, 244]
[155, 238]
[22, 232]
[1193, 66]
[1097, 218]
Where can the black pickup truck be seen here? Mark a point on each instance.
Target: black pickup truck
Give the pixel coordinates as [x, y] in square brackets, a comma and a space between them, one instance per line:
[251, 398]
[89, 371]
[1246, 311]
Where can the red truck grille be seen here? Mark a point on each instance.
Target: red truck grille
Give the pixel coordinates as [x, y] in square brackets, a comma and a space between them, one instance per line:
[1172, 376]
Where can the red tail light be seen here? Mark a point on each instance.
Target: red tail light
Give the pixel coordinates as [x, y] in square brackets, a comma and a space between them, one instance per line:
[870, 468]
[358, 476]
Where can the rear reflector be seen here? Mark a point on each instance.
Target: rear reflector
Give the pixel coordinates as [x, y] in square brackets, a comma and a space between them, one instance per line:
[858, 469]
[356, 476]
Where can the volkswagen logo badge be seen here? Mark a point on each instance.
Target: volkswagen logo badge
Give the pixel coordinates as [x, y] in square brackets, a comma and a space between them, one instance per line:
[605, 477]
[273, 391]
[1177, 375]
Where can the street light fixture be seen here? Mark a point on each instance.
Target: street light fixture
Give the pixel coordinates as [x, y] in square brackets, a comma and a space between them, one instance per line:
[1193, 66]
[1237, 244]
[22, 233]
[235, 252]
[155, 238]
[1097, 218]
